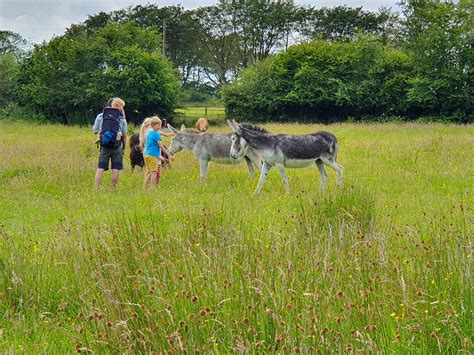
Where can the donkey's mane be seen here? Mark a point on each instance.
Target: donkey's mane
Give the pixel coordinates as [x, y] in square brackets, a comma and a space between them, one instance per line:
[252, 127]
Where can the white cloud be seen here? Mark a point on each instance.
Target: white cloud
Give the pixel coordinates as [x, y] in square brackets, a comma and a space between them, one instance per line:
[38, 20]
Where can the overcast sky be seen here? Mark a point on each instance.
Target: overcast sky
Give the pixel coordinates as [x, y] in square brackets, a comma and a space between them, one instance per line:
[38, 20]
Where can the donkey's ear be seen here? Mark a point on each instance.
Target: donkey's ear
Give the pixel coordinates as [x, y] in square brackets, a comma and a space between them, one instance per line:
[231, 125]
[174, 130]
[237, 125]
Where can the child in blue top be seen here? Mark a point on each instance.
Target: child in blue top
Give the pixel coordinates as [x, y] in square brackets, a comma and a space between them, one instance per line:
[153, 147]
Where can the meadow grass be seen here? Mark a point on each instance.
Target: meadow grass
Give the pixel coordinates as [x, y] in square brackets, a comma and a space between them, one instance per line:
[382, 265]
[189, 115]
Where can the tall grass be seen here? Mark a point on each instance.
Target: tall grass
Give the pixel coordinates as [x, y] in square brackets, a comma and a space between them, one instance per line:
[383, 265]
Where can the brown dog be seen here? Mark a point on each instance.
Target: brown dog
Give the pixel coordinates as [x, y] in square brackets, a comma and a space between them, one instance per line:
[202, 124]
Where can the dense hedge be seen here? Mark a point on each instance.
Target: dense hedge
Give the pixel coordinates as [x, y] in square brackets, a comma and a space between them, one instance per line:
[339, 81]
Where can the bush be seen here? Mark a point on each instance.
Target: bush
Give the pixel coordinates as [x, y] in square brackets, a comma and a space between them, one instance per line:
[13, 112]
[334, 81]
[71, 77]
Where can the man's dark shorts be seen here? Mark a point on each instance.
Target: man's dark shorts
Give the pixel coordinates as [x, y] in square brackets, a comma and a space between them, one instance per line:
[111, 154]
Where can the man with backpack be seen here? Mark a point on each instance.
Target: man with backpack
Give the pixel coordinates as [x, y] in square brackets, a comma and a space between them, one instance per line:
[112, 129]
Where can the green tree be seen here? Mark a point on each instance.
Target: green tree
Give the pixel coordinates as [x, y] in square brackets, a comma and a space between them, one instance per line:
[182, 35]
[343, 24]
[72, 76]
[220, 42]
[12, 49]
[263, 26]
[440, 37]
[12, 43]
[212, 44]
[236, 34]
[9, 69]
[182, 32]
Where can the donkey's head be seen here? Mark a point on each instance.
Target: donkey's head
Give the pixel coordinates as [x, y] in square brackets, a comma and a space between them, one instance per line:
[239, 144]
[176, 142]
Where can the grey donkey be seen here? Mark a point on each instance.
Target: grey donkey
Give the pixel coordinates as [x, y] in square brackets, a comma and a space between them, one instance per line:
[214, 147]
[286, 151]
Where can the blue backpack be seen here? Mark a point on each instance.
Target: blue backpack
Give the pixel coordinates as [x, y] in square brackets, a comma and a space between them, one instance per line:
[110, 127]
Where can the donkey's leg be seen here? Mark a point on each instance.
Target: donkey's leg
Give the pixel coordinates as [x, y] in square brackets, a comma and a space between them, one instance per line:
[284, 177]
[249, 165]
[256, 159]
[263, 176]
[337, 167]
[322, 172]
[203, 165]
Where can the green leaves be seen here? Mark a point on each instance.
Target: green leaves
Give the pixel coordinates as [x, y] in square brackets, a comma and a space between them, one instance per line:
[11, 43]
[73, 76]
[8, 73]
[325, 81]
[360, 63]
[343, 24]
[439, 37]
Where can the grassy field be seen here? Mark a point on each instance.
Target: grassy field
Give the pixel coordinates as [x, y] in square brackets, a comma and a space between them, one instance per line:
[189, 115]
[382, 265]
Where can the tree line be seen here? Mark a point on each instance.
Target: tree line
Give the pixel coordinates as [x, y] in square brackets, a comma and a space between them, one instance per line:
[267, 60]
